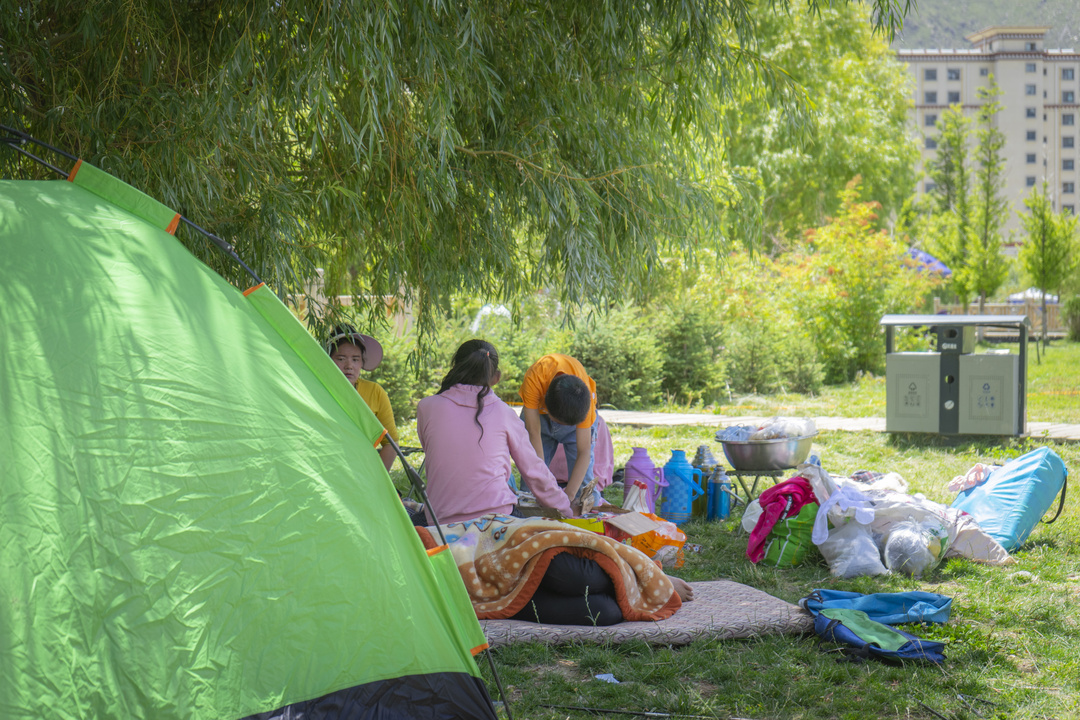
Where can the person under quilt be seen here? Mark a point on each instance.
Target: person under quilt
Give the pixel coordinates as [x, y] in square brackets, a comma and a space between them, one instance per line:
[547, 571]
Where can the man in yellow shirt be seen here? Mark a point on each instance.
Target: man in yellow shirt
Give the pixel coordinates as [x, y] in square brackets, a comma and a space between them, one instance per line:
[352, 352]
[559, 401]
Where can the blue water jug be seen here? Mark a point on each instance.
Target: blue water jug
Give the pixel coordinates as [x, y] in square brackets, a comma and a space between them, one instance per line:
[681, 488]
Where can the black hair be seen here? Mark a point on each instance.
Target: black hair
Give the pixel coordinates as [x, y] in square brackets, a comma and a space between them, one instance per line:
[568, 400]
[348, 331]
[476, 362]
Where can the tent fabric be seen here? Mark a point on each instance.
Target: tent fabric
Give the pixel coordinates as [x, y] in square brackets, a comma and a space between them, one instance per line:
[195, 523]
[124, 196]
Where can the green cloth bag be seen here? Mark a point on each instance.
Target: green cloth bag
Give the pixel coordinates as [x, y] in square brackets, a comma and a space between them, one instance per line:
[789, 541]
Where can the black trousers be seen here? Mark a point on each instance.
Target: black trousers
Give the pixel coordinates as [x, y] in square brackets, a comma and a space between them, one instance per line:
[573, 591]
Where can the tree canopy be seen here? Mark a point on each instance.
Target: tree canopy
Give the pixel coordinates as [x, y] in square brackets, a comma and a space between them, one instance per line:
[858, 125]
[411, 148]
[1049, 253]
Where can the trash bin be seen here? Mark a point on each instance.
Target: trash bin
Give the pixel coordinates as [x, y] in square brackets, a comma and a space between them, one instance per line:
[953, 390]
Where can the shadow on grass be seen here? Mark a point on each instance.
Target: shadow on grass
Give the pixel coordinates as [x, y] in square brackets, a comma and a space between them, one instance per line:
[981, 443]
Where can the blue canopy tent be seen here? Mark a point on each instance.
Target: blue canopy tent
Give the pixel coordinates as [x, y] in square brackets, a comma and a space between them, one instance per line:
[926, 261]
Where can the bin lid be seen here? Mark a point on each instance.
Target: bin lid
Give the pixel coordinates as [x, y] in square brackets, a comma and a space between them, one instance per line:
[1011, 321]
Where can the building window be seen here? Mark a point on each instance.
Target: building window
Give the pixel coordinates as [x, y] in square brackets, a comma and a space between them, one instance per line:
[1030, 134]
[1031, 47]
[931, 187]
[953, 73]
[1030, 89]
[930, 120]
[1030, 158]
[931, 143]
[1068, 141]
[1029, 112]
[1068, 164]
[1030, 181]
[1068, 119]
[1068, 74]
[954, 97]
[930, 97]
[1071, 209]
[1029, 67]
[983, 72]
[1068, 96]
[929, 74]
[1068, 188]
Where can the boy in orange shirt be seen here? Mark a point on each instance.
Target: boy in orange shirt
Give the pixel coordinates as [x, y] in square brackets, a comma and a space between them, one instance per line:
[560, 409]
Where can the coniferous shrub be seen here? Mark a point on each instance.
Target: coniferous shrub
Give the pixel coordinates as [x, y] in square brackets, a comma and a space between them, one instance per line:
[1071, 310]
[691, 343]
[620, 352]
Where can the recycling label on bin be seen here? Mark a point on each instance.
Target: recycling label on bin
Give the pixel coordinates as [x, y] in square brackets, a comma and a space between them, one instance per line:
[912, 395]
[985, 398]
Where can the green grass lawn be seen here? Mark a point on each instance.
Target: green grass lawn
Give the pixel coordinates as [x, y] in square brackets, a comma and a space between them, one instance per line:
[1053, 393]
[1013, 638]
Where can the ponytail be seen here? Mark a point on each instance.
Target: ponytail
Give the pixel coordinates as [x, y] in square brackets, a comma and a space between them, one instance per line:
[475, 363]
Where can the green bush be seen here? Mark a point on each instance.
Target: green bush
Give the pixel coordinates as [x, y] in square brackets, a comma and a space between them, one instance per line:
[691, 345]
[801, 369]
[620, 353]
[845, 280]
[522, 342]
[1071, 310]
[753, 352]
[404, 379]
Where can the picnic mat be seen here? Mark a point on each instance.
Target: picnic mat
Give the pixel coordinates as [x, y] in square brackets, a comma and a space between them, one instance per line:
[720, 610]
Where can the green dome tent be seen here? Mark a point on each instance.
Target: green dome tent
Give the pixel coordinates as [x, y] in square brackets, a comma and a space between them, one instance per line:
[194, 522]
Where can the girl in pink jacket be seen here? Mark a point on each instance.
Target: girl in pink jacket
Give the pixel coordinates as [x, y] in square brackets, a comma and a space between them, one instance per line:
[470, 437]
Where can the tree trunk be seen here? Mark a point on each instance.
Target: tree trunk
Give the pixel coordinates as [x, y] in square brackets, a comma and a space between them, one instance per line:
[982, 311]
[1044, 331]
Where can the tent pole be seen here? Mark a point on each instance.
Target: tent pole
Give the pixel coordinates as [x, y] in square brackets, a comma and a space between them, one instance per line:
[23, 137]
[20, 138]
[15, 143]
[224, 246]
[498, 683]
[418, 484]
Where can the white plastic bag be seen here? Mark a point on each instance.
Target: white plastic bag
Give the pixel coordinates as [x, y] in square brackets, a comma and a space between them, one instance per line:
[784, 427]
[976, 475]
[846, 502]
[637, 498]
[751, 514]
[851, 551]
[914, 548]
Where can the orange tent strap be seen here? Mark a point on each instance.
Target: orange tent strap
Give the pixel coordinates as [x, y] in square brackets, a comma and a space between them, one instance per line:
[379, 441]
[436, 550]
[71, 175]
[250, 289]
[173, 225]
[479, 649]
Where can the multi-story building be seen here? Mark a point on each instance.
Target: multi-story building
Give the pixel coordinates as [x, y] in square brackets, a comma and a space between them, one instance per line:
[1040, 98]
